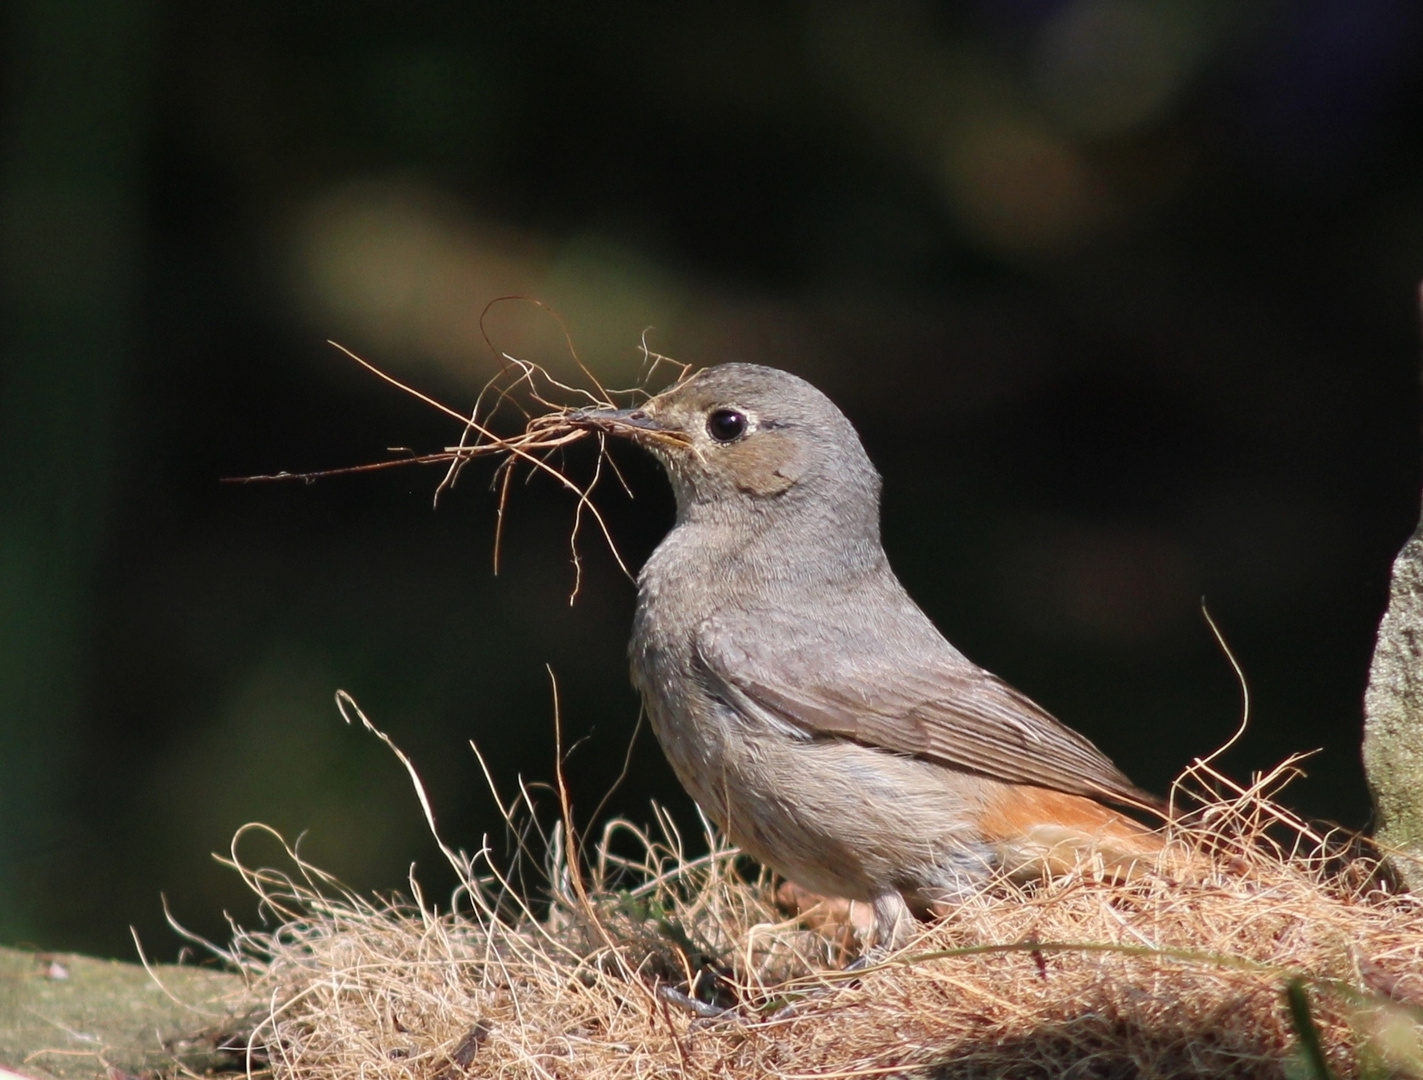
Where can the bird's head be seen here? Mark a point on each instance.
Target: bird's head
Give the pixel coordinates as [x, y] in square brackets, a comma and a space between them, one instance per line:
[743, 440]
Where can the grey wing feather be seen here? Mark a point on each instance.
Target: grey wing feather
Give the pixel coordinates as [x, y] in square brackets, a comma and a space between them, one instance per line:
[945, 709]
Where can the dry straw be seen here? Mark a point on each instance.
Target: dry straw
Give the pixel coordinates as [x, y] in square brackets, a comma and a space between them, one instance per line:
[1278, 952]
[542, 405]
[1258, 946]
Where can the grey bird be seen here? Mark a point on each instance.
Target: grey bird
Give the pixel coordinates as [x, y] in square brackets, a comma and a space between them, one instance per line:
[803, 699]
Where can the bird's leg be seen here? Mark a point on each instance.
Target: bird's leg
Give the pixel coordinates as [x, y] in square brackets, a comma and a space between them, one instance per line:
[894, 927]
[894, 922]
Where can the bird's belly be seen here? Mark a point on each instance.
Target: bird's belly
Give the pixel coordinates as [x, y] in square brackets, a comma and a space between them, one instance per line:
[836, 817]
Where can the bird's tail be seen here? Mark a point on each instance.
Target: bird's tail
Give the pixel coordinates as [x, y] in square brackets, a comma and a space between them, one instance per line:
[1036, 832]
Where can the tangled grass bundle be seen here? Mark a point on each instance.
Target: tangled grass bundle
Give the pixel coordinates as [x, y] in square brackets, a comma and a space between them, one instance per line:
[542, 405]
[1284, 953]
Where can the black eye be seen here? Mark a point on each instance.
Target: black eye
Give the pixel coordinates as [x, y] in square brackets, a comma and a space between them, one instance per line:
[726, 425]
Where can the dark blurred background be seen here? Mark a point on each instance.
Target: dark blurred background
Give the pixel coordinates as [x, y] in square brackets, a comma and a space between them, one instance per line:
[1120, 293]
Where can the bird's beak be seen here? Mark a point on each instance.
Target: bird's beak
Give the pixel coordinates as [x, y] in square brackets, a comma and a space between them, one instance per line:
[634, 424]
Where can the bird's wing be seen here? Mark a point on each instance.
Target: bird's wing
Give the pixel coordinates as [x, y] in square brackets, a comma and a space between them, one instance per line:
[928, 702]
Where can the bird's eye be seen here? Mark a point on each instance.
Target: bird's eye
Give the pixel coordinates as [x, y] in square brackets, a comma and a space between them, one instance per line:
[726, 425]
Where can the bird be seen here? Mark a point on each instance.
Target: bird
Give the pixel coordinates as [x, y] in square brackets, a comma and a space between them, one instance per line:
[806, 702]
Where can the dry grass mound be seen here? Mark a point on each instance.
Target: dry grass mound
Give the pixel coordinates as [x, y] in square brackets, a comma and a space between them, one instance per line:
[1270, 957]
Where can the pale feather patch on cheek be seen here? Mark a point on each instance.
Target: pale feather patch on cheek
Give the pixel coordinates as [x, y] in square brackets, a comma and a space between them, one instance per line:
[766, 464]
